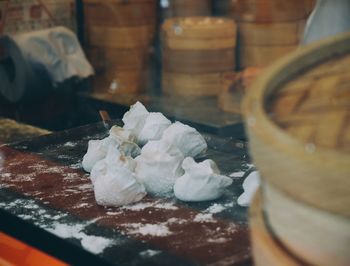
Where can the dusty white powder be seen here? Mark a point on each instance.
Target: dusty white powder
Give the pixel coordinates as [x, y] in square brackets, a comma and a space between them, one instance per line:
[175, 220]
[237, 174]
[149, 253]
[217, 240]
[144, 205]
[76, 166]
[94, 244]
[70, 144]
[87, 186]
[159, 230]
[204, 218]
[215, 208]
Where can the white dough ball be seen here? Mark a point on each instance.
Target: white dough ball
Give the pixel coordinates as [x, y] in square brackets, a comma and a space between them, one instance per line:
[187, 139]
[153, 129]
[96, 151]
[135, 118]
[250, 185]
[158, 167]
[201, 181]
[118, 187]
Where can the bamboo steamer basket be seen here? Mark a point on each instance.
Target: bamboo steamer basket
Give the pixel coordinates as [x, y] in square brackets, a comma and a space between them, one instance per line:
[119, 34]
[184, 8]
[301, 146]
[183, 84]
[260, 44]
[234, 85]
[198, 61]
[122, 82]
[270, 11]
[269, 34]
[112, 13]
[266, 249]
[119, 59]
[262, 56]
[120, 37]
[316, 236]
[196, 52]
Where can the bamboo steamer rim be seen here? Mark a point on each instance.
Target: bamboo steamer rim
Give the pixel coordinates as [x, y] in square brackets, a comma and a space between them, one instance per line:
[266, 250]
[321, 237]
[117, 1]
[258, 121]
[201, 26]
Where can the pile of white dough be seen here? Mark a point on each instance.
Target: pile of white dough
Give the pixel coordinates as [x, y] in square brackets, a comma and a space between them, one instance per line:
[123, 173]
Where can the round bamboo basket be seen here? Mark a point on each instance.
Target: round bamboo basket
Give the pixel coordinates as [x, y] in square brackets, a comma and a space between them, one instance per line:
[297, 119]
[260, 44]
[122, 82]
[185, 8]
[262, 56]
[120, 37]
[114, 13]
[198, 61]
[266, 249]
[119, 34]
[318, 237]
[119, 59]
[269, 34]
[183, 84]
[270, 11]
[196, 52]
[234, 85]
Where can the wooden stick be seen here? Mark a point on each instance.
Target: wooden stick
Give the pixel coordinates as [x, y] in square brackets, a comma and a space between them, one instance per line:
[105, 116]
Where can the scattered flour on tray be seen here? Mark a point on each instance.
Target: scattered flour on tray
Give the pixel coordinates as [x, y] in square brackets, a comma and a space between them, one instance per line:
[144, 205]
[159, 230]
[215, 208]
[149, 253]
[70, 144]
[94, 244]
[237, 174]
[204, 218]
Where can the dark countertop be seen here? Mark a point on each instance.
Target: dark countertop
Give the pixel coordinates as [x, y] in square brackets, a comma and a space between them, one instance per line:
[44, 193]
[200, 112]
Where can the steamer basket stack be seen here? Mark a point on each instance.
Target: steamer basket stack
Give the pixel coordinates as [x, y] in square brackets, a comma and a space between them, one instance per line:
[268, 29]
[185, 8]
[196, 51]
[119, 37]
[297, 119]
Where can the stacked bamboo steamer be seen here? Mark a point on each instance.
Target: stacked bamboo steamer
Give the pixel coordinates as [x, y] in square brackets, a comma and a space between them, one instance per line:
[268, 29]
[196, 52]
[184, 8]
[298, 121]
[119, 35]
[265, 248]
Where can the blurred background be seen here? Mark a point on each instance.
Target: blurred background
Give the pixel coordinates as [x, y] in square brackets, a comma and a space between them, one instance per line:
[190, 59]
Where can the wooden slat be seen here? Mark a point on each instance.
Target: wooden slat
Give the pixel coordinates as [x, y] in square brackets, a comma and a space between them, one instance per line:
[270, 10]
[262, 55]
[260, 34]
[329, 129]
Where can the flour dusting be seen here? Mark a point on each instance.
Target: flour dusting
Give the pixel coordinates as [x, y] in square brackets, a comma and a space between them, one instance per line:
[144, 205]
[150, 253]
[159, 230]
[94, 244]
[204, 218]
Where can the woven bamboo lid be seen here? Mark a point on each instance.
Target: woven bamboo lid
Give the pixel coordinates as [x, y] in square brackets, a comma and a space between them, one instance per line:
[297, 116]
[200, 27]
[315, 106]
